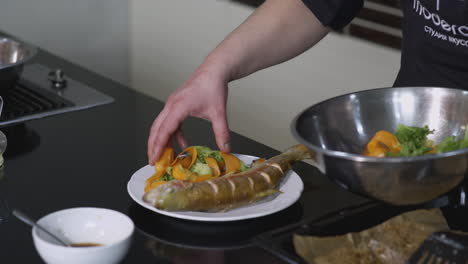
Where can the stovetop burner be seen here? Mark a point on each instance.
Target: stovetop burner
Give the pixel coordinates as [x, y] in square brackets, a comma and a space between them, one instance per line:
[26, 100]
[37, 95]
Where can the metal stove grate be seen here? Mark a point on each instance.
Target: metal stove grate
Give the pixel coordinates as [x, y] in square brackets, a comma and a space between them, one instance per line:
[27, 99]
[35, 97]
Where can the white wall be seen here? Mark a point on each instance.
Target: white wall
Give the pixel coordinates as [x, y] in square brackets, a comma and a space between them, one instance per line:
[169, 38]
[148, 42]
[91, 33]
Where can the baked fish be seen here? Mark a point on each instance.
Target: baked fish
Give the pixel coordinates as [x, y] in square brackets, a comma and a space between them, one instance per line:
[227, 192]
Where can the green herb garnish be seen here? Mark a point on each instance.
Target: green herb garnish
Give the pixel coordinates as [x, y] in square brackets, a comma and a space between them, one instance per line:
[413, 141]
[451, 143]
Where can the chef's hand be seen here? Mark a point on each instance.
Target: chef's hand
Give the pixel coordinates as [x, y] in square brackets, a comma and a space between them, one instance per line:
[203, 95]
[277, 31]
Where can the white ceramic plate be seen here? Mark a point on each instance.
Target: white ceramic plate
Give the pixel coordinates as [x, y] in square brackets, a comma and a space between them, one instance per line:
[291, 188]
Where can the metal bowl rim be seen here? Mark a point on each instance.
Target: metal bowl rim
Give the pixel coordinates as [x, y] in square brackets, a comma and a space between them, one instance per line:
[32, 52]
[360, 157]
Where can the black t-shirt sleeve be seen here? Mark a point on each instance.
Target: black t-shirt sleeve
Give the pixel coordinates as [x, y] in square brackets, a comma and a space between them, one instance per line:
[334, 13]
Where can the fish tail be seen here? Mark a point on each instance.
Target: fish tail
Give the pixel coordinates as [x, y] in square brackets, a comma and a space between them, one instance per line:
[299, 152]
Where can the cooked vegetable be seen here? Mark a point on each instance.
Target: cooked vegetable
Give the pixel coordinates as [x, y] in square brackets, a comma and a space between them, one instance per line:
[382, 143]
[195, 164]
[450, 143]
[410, 141]
[187, 157]
[161, 165]
[201, 168]
[232, 163]
[413, 141]
[180, 173]
[204, 152]
[168, 175]
[213, 164]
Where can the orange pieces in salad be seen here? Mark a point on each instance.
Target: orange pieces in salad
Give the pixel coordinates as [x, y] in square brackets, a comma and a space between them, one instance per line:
[382, 142]
[195, 164]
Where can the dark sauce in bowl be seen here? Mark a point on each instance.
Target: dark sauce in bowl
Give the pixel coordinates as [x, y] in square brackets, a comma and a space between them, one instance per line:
[85, 245]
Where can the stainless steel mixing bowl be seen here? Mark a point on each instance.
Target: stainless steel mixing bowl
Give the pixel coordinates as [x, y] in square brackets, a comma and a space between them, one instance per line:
[338, 129]
[13, 55]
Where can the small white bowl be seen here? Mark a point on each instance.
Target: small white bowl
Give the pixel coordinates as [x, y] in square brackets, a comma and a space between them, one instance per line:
[111, 229]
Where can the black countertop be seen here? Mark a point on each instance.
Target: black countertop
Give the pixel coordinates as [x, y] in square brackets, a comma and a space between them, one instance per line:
[85, 158]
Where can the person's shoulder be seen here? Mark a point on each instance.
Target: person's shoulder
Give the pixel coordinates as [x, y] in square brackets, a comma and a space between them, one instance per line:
[334, 13]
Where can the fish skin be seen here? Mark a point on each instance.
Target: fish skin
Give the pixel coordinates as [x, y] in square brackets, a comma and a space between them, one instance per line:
[219, 194]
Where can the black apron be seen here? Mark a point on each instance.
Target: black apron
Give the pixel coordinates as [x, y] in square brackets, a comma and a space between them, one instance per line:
[435, 44]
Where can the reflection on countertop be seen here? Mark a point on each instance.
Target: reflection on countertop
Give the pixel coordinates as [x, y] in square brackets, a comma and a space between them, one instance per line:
[178, 240]
[4, 208]
[21, 140]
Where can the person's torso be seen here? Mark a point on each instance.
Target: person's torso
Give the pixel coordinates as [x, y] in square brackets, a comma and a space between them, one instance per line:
[435, 43]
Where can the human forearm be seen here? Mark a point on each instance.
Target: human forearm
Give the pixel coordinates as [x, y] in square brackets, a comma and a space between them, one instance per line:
[277, 31]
